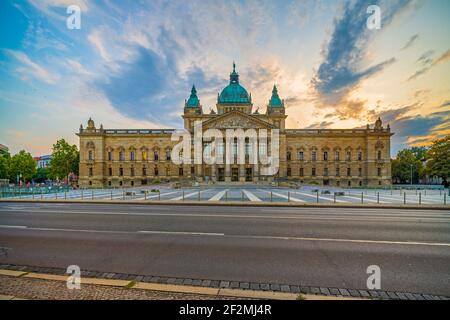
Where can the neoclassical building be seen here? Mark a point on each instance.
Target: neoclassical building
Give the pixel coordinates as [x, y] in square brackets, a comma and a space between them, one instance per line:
[135, 157]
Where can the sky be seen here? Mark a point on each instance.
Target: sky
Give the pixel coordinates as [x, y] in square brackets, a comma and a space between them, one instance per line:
[132, 64]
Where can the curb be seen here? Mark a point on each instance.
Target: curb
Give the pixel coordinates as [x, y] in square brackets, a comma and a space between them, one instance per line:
[213, 287]
[233, 204]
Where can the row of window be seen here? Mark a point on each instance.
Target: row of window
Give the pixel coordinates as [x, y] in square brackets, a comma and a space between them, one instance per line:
[144, 171]
[325, 156]
[326, 173]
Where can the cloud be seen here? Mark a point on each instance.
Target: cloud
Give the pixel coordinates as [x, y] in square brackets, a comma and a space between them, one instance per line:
[410, 42]
[342, 69]
[320, 125]
[32, 68]
[429, 63]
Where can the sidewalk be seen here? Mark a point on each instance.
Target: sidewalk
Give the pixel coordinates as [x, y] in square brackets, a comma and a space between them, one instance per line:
[17, 285]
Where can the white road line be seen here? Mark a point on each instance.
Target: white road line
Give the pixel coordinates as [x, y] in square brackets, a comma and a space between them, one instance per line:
[183, 233]
[410, 243]
[12, 227]
[320, 197]
[185, 196]
[251, 196]
[283, 196]
[437, 244]
[156, 196]
[218, 196]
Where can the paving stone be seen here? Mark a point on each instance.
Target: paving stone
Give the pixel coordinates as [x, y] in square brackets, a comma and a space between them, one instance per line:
[196, 282]
[285, 288]
[393, 296]
[234, 284]
[224, 284]
[117, 276]
[315, 290]
[402, 296]
[171, 280]
[374, 294]
[104, 275]
[206, 283]
[244, 285]
[410, 296]
[110, 275]
[364, 294]
[265, 286]
[427, 297]
[418, 296]
[354, 293]
[325, 291]
[139, 278]
[305, 290]
[187, 282]
[147, 279]
[275, 287]
[295, 289]
[179, 281]
[254, 286]
[163, 280]
[344, 292]
[383, 295]
[335, 292]
[215, 283]
[123, 276]
[155, 279]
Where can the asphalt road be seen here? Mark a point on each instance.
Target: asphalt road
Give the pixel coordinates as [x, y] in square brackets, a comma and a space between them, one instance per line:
[323, 247]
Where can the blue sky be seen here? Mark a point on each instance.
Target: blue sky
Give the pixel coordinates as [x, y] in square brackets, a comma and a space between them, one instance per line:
[132, 64]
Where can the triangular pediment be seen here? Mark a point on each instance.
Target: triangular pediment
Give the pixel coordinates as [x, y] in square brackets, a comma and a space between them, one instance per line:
[236, 120]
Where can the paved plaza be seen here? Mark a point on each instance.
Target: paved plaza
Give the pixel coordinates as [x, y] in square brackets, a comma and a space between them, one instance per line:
[254, 193]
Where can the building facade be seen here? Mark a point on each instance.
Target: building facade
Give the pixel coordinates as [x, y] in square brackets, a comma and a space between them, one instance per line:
[133, 157]
[43, 162]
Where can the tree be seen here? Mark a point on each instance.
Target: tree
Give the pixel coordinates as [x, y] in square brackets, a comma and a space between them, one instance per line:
[41, 175]
[22, 164]
[65, 160]
[405, 162]
[5, 162]
[438, 163]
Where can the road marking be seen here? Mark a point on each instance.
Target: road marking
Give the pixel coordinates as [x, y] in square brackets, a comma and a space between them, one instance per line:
[251, 196]
[183, 233]
[320, 197]
[218, 195]
[12, 227]
[186, 196]
[153, 196]
[284, 196]
[436, 244]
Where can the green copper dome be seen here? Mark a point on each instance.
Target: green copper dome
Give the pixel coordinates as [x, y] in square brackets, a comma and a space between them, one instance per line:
[234, 93]
[275, 101]
[193, 101]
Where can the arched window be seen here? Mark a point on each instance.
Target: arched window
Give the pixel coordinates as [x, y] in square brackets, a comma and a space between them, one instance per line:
[156, 155]
[379, 155]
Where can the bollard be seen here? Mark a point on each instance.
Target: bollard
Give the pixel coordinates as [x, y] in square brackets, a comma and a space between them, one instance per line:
[82, 194]
[404, 198]
[199, 196]
[65, 194]
[123, 194]
[183, 195]
[378, 198]
[145, 195]
[33, 194]
[159, 195]
[242, 196]
[56, 195]
[334, 197]
[420, 198]
[271, 196]
[317, 196]
[289, 196]
[445, 199]
[362, 197]
[41, 194]
[111, 194]
[226, 195]
[92, 194]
